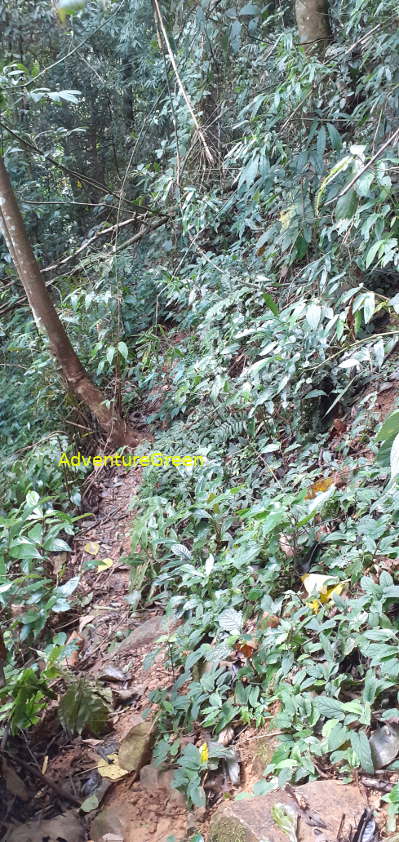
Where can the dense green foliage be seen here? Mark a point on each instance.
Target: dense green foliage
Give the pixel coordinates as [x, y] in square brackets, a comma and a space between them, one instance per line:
[260, 306]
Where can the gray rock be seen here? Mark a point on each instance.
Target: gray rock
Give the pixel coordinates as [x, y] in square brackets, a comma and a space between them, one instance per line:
[149, 777]
[108, 821]
[384, 745]
[143, 634]
[251, 820]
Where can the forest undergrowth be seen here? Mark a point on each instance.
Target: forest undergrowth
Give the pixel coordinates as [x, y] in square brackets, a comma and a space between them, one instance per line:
[257, 327]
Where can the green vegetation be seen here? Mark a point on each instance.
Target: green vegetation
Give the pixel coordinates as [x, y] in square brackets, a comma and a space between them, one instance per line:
[254, 320]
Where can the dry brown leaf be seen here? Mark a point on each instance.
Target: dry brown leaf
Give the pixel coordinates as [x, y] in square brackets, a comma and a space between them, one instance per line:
[72, 659]
[85, 620]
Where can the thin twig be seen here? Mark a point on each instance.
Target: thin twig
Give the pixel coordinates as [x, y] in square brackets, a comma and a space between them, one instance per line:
[184, 93]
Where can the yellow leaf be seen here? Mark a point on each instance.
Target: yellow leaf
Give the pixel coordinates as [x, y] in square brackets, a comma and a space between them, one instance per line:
[319, 486]
[109, 768]
[203, 750]
[317, 583]
[92, 547]
[286, 216]
[105, 564]
[315, 606]
[328, 595]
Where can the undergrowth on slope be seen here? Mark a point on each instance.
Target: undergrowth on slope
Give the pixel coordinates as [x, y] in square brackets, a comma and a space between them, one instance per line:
[255, 330]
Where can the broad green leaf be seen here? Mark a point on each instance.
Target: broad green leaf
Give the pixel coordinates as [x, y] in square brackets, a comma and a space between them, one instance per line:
[330, 708]
[68, 587]
[32, 498]
[123, 349]
[270, 303]
[313, 315]
[231, 620]
[390, 427]
[346, 205]
[361, 747]
[57, 545]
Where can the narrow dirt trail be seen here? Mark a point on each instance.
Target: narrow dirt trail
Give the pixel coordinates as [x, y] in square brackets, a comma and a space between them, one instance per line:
[113, 642]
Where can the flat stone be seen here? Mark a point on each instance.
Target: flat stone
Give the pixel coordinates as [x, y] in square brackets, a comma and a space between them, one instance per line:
[251, 820]
[135, 748]
[143, 634]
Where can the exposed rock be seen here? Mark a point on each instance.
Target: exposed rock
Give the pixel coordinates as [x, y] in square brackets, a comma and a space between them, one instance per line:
[149, 777]
[109, 821]
[144, 634]
[135, 748]
[66, 826]
[251, 820]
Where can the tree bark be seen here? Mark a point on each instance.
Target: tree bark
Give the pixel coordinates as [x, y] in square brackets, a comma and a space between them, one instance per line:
[313, 25]
[48, 322]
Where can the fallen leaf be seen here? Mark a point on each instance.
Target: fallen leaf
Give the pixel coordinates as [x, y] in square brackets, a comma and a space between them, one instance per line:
[285, 544]
[247, 648]
[110, 768]
[104, 564]
[225, 737]
[44, 765]
[113, 674]
[316, 583]
[269, 621]
[85, 620]
[318, 487]
[92, 547]
[203, 751]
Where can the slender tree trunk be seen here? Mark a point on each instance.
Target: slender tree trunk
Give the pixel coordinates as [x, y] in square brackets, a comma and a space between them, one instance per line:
[48, 322]
[313, 25]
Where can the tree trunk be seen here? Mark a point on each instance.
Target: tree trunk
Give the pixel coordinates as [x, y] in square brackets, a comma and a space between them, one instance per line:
[47, 320]
[313, 25]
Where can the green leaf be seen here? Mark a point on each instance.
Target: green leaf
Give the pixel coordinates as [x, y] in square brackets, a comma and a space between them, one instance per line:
[364, 183]
[110, 354]
[123, 349]
[335, 137]
[369, 307]
[390, 427]
[68, 587]
[313, 315]
[249, 9]
[372, 252]
[394, 457]
[23, 548]
[330, 708]
[270, 303]
[231, 620]
[57, 545]
[361, 747]
[346, 205]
